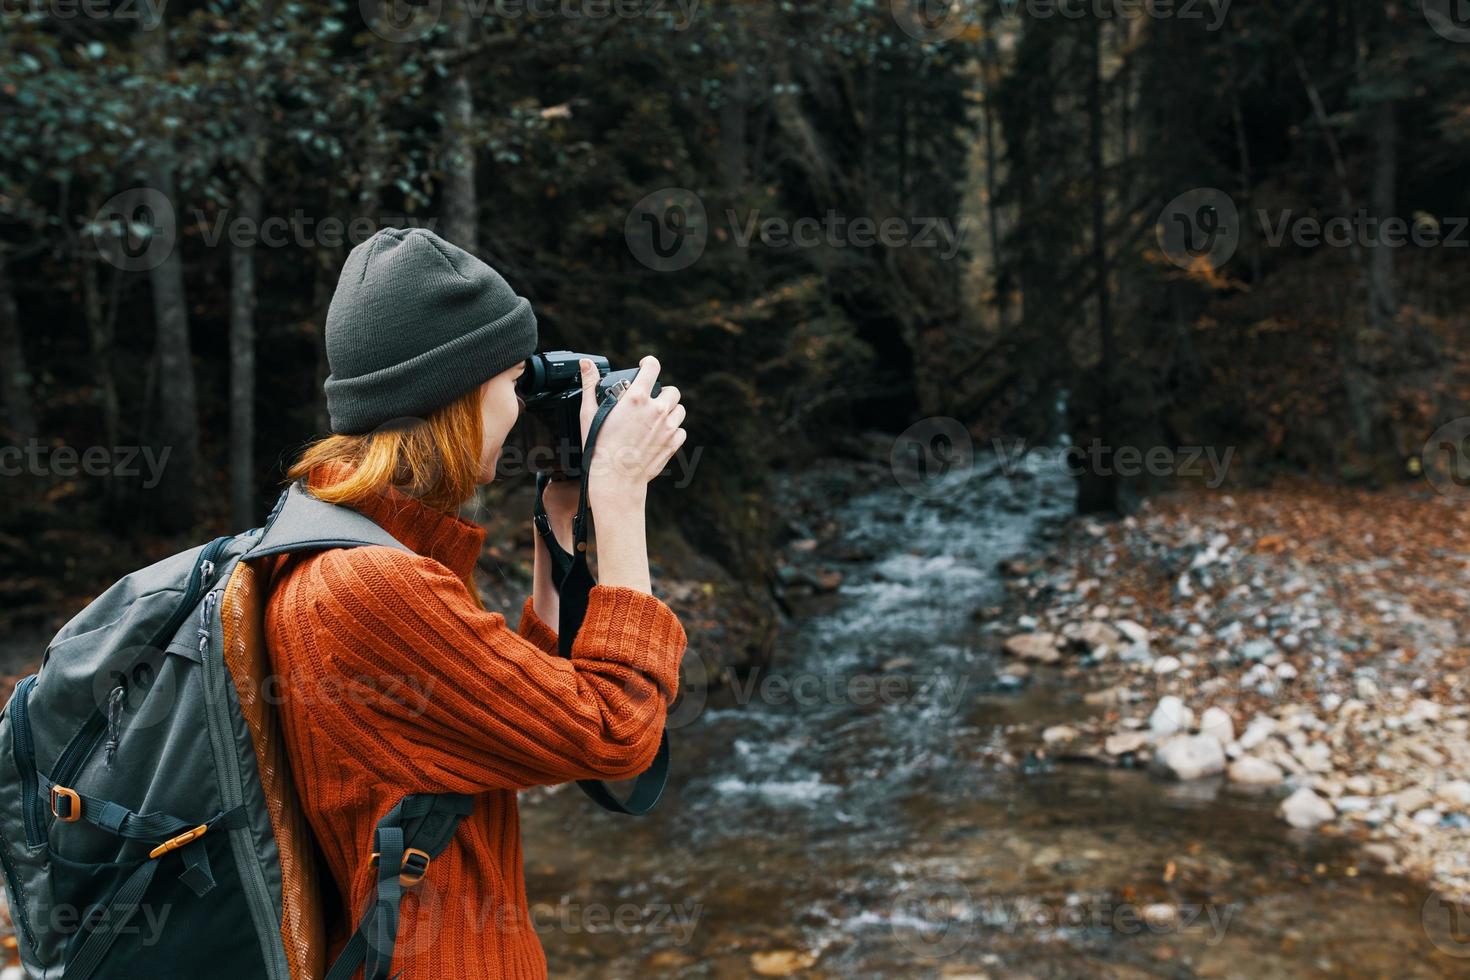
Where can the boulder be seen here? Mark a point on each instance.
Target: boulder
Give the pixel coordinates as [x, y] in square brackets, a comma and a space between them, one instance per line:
[1304, 809]
[1170, 717]
[1186, 757]
[1040, 647]
[1059, 733]
[1134, 632]
[1122, 743]
[1216, 723]
[1251, 771]
[1261, 727]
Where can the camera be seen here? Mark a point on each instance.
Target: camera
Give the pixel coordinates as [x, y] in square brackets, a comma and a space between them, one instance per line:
[551, 388]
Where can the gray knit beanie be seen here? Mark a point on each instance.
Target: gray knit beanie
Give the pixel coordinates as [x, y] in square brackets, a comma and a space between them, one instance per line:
[415, 323]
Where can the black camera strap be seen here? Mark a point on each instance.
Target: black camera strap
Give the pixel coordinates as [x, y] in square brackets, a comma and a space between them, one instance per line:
[573, 581]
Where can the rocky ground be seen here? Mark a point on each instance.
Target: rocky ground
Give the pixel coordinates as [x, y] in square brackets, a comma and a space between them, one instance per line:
[1303, 641]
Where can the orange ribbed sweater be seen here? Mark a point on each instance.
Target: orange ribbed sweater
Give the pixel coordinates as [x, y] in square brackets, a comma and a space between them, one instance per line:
[394, 680]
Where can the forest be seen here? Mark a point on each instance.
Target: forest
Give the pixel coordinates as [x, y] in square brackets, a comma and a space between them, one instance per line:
[181, 186]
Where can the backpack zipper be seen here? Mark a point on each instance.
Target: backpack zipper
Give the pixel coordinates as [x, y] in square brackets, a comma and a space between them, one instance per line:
[80, 748]
[25, 761]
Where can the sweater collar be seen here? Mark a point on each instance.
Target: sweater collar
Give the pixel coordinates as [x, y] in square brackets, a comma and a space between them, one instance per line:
[436, 534]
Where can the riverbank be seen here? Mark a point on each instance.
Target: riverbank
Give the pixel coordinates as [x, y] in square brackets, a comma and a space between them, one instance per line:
[1303, 641]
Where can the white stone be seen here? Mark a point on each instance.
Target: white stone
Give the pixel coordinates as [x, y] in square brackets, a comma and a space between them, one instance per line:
[1058, 733]
[1217, 724]
[1160, 917]
[1135, 632]
[1041, 647]
[1170, 716]
[1166, 665]
[1190, 757]
[1261, 727]
[1412, 799]
[1252, 771]
[1456, 793]
[1304, 809]
[1121, 743]
[1315, 757]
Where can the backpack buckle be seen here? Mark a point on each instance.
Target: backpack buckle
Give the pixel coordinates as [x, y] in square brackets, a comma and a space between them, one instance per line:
[415, 865]
[73, 811]
[174, 843]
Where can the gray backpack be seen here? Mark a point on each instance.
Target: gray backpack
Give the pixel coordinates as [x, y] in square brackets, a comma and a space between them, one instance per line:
[149, 826]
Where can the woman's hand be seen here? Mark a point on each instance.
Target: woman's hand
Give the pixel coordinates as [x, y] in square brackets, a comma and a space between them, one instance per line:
[637, 440]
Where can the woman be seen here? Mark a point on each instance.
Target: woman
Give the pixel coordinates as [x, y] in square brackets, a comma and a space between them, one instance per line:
[395, 678]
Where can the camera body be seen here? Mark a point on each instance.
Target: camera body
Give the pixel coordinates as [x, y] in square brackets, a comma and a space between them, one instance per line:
[551, 388]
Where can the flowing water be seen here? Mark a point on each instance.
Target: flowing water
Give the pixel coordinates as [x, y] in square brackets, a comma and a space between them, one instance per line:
[852, 813]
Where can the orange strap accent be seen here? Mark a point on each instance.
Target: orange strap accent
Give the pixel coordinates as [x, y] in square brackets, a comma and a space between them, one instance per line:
[74, 812]
[408, 878]
[175, 843]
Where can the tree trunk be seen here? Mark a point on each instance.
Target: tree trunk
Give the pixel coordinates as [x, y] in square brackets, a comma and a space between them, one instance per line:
[15, 382]
[1382, 290]
[1100, 491]
[175, 428]
[101, 320]
[461, 204]
[242, 329]
[732, 156]
[989, 70]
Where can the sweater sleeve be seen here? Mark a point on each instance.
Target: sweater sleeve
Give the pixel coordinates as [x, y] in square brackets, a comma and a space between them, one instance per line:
[456, 701]
[535, 629]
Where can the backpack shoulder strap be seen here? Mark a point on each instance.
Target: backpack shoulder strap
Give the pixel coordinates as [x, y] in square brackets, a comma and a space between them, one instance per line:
[408, 837]
[301, 522]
